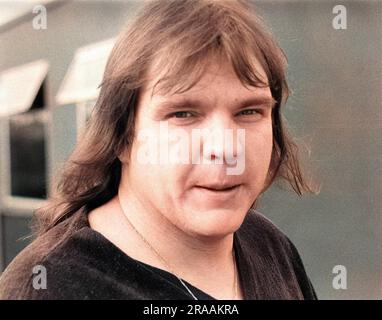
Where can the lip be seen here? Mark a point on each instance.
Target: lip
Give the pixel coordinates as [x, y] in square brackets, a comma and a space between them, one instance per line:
[219, 194]
[218, 187]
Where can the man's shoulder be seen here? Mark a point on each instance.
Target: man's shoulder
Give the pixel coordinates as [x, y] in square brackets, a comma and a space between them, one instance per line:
[263, 241]
[48, 251]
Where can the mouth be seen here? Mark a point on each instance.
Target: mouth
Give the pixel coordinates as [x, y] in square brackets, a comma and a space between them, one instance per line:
[217, 195]
[219, 187]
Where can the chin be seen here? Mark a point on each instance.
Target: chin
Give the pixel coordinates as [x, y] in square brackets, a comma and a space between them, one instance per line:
[214, 223]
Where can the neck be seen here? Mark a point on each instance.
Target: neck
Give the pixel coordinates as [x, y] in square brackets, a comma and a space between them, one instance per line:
[186, 253]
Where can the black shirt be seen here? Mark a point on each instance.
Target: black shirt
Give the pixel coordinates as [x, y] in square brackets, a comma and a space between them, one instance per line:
[86, 265]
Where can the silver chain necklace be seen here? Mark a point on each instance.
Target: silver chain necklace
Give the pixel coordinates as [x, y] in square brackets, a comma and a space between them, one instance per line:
[167, 265]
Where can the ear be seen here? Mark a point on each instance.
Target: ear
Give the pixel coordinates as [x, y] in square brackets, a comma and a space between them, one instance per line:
[124, 156]
[121, 157]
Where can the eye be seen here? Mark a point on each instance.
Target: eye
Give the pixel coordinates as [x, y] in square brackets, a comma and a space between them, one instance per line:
[249, 112]
[180, 114]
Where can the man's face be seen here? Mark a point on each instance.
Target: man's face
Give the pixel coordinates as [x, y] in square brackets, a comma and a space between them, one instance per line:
[201, 198]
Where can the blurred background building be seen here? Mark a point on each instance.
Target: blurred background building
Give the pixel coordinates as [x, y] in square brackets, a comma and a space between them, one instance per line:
[48, 86]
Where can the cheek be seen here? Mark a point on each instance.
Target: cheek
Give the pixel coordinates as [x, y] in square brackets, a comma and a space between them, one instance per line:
[259, 146]
[152, 154]
[164, 180]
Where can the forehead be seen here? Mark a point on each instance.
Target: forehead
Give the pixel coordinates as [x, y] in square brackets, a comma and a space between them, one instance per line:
[217, 78]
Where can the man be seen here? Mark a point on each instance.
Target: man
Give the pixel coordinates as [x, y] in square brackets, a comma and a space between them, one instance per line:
[158, 199]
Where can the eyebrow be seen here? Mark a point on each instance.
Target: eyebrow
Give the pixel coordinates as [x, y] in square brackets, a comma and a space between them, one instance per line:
[186, 103]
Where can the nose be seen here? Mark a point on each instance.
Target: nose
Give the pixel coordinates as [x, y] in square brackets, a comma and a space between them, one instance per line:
[222, 141]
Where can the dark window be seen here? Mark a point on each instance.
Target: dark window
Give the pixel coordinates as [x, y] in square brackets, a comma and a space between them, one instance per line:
[27, 151]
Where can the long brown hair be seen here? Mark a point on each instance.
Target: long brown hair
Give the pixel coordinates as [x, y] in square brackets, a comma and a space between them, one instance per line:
[178, 37]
